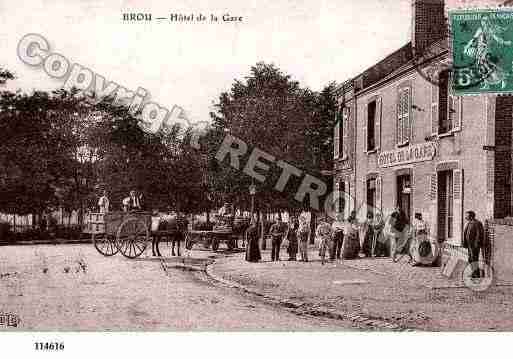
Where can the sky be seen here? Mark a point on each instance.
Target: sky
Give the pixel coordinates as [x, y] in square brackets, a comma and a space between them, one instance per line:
[190, 64]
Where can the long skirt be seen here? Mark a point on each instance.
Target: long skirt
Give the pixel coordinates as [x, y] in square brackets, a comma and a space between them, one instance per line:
[253, 251]
[351, 245]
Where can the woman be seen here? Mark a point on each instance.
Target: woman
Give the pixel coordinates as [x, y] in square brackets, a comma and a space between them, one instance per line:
[252, 248]
[292, 239]
[351, 244]
[400, 235]
[368, 235]
[303, 232]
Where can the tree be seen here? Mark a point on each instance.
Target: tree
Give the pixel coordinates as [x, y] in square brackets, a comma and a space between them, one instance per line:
[274, 113]
[5, 75]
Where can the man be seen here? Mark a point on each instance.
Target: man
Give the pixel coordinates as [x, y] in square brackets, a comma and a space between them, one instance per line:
[473, 240]
[225, 210]
[104, 203]
[277, 232]
[324, 234]
[338, 236]
[135, 202]
[132, 202]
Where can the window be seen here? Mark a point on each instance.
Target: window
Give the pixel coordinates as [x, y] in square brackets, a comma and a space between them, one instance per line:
[403, 116]
[448, 106]
[340, 135]
[445, 205]
[371, 125]
[338, 142]
[444, 104]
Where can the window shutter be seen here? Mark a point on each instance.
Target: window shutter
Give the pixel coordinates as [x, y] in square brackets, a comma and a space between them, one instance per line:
[398, 134]
[336, 139]
[377, 132]
[458, 205]
[434, 110]
[458, 112]
[433, 203]
[345, 128]
[407, 115]
[365, 122]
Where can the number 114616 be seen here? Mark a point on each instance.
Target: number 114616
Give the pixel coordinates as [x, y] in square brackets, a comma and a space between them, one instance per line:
[49, 346]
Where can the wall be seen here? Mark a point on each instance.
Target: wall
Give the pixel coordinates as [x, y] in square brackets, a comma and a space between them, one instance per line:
[500, 233]
[464, 147]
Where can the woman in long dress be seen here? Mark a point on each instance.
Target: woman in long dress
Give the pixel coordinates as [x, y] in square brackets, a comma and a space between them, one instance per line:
[252, 248]
[351, 244]
[292, 239]
[303, 233]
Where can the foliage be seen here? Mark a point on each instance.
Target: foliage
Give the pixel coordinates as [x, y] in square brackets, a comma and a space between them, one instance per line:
[271, 112]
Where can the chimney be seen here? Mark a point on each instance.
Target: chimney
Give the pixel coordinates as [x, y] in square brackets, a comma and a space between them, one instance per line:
[429, 24]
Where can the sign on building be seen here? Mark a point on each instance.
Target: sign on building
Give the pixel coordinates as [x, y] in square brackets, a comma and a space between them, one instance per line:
[411, 154]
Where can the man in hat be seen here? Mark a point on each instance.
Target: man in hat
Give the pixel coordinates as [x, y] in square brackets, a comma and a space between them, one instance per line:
[473, 240]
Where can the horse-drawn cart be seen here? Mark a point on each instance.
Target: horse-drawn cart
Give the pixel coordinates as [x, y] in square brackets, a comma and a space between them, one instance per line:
[129, 233]
[227, 230]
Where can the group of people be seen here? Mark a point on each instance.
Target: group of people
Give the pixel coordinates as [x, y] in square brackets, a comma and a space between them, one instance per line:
[341, 238]
[296, 232]
[130, 203]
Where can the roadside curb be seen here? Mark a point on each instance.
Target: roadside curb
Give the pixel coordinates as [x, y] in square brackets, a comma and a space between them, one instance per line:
[325, 312]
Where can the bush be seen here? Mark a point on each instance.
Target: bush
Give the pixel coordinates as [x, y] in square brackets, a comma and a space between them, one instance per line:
[5, 229]
[68, 232]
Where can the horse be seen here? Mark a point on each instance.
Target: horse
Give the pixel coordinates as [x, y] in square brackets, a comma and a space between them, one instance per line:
[170, 230]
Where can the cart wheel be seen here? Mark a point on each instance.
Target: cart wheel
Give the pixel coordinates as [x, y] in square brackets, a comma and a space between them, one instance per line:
[132, 237]
[215, 244]
[105, 244]
[230, 244]
[188, 242]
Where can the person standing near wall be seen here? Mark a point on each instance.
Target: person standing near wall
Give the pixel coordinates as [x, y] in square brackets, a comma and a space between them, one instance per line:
[473, 240]
[351, 244]
[368, 235]
[338, 236]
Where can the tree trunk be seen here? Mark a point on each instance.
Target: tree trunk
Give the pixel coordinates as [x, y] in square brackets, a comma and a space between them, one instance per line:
[313, 219]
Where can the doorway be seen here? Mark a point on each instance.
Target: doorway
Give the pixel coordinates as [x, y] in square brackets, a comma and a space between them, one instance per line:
[445, 205]
[404, 194]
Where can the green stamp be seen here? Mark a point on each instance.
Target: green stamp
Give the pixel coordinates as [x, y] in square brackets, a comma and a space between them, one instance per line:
[482, 51]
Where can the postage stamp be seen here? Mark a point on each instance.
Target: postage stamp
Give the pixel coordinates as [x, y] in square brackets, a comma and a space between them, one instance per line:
[482, 51]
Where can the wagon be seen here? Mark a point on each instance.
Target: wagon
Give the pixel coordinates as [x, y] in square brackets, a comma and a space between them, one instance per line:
[126, 232]
[225, 231]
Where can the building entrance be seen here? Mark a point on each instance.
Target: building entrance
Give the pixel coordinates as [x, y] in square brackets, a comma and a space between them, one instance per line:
[445, 206]
[404, 194]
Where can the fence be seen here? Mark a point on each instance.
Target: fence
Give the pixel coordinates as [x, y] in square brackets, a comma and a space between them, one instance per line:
[23, 223]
